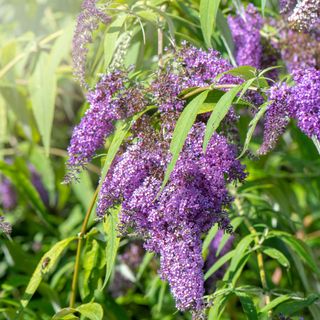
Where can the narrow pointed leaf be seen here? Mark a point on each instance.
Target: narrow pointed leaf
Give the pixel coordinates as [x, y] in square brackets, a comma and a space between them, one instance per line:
[252, 126]
[219, 112]
[181, 130]
[45, 266]
[110, 39]
[110, 226]
[208, 12]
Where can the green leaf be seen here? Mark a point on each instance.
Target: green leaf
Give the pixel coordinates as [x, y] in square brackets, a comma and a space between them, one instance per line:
[316, 143]
[219, 112]
[83, 189]
[290, 307]
[263, 6]
[252, 125]
[161, 296]
[43, 88]
[93, 264]
[181, 130]
[92, 311]
[45, 266]
[208, 12]
[209, 237]
[220, 302]
[237, 259]
[65, 313]
[244, 72]
[110, 228]
[43, 85]
[219, 263]
[277, 255]
[110, 39]
[223, 27]
[274, 303]
[297, 246]
[145, 262]
[247, 305]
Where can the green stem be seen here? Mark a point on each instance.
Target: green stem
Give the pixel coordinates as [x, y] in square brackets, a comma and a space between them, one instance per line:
[79, 247]
[160, 39]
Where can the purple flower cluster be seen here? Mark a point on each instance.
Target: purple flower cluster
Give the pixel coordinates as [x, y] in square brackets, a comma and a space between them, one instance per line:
[196, 195]
[196, 68]
[287, 6]
[200, 67]
[193, 200]
[305, 15]
[88, 20]
[246, 34]
[299, 50]
[305, 101]
[8, 195]
[277, 117]
[109, 101]
[300, 102]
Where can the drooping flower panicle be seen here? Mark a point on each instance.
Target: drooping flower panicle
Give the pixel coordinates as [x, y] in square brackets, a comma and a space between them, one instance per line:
[87, 21]
[190, 204]
[245, 31]
[109, 101]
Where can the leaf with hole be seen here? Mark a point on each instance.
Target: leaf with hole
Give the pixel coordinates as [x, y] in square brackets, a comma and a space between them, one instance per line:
[45, 266]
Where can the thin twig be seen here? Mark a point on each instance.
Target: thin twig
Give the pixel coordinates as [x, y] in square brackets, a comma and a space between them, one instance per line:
[79, 247]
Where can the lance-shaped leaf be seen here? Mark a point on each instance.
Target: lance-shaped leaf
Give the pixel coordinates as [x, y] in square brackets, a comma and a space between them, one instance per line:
[111, 37]
[219, 112]
[110, 226]
[45, 266]
[252, 126]
[181, 130]
[208, 12]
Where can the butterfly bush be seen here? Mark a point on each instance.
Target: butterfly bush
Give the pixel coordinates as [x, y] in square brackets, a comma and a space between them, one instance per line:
[193, 200]
[305, 14]
[305, 101]
[300, 102]
[299, 50]
[277, 117]
[195, 197]
[109, 101]
[87, 21]
[245, 31]
[172, 220]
